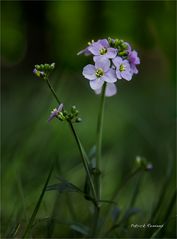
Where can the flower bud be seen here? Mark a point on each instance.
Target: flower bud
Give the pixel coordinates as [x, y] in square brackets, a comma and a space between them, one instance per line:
[73, 109]
[149, 167]
[78, 120]
[122, 53]
[52, 66]
[142, 163]
[61, 116]
[46, 66]
[39, 74]
[42, 67]
[65, 112]
[116, 43]
[69, 116]
[124, 46]
[37, 67]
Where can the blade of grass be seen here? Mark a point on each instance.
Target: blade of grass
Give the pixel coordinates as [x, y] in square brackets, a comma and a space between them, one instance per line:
[116, 194]
[36, 209]
[51, 223]
[160, 229]
[168, 212]
[171, 205]
[20, 188]
[131, 211]
[163, 191]
[136, 190]
[156, 232]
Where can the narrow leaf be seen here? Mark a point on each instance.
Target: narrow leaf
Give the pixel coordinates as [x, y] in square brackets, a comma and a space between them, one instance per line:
[36, 209]
[80, 228]
[64, 187]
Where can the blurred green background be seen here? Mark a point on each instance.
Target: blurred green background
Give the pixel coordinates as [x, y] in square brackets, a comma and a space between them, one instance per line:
[139, 120]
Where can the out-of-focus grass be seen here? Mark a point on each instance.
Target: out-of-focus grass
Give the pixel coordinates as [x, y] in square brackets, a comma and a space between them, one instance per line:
[139, 120]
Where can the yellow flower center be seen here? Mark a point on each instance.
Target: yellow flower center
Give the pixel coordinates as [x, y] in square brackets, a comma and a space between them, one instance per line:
[99, 72]
[122, 67]
[103, 51]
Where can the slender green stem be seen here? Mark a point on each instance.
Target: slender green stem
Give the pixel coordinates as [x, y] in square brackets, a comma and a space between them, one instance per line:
[81, 149]
[95, 221]
[84, 160]
[98, 159]
[53, 91]
[36, 209]
[99, 141]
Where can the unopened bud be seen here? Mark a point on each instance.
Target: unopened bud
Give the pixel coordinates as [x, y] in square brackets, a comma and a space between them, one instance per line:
[149, 167]
[37, 67]
[52, 66]
[46, 66]
[78, 120]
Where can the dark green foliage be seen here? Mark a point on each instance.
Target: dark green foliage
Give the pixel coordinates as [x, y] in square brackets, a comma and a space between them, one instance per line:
[139, 120]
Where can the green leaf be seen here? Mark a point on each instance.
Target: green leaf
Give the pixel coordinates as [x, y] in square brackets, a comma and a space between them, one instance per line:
[162, 228]
[115, 214]
[64, 187]
[156, 232]
[84, 230]
[107, 201]
[163, 191]
[36, 209]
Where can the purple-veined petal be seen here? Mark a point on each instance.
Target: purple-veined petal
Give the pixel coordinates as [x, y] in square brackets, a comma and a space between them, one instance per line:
[85, 51]
[98, 91]
[96, 84]
[100, 58]
[111, 89]
[104, 43]
[117, 61]
[111, 53]
[133, 58]
[118, 74]
[126, 63]
[110, 76]
[102, 63]
[127, 75]
[133, 68]
[89, 72]
[60, 107]
[95, 48]
[53, 114]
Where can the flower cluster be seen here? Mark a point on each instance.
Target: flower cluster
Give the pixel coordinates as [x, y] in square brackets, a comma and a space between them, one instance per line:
[64, 115]
[113, 59]
[43, 70]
